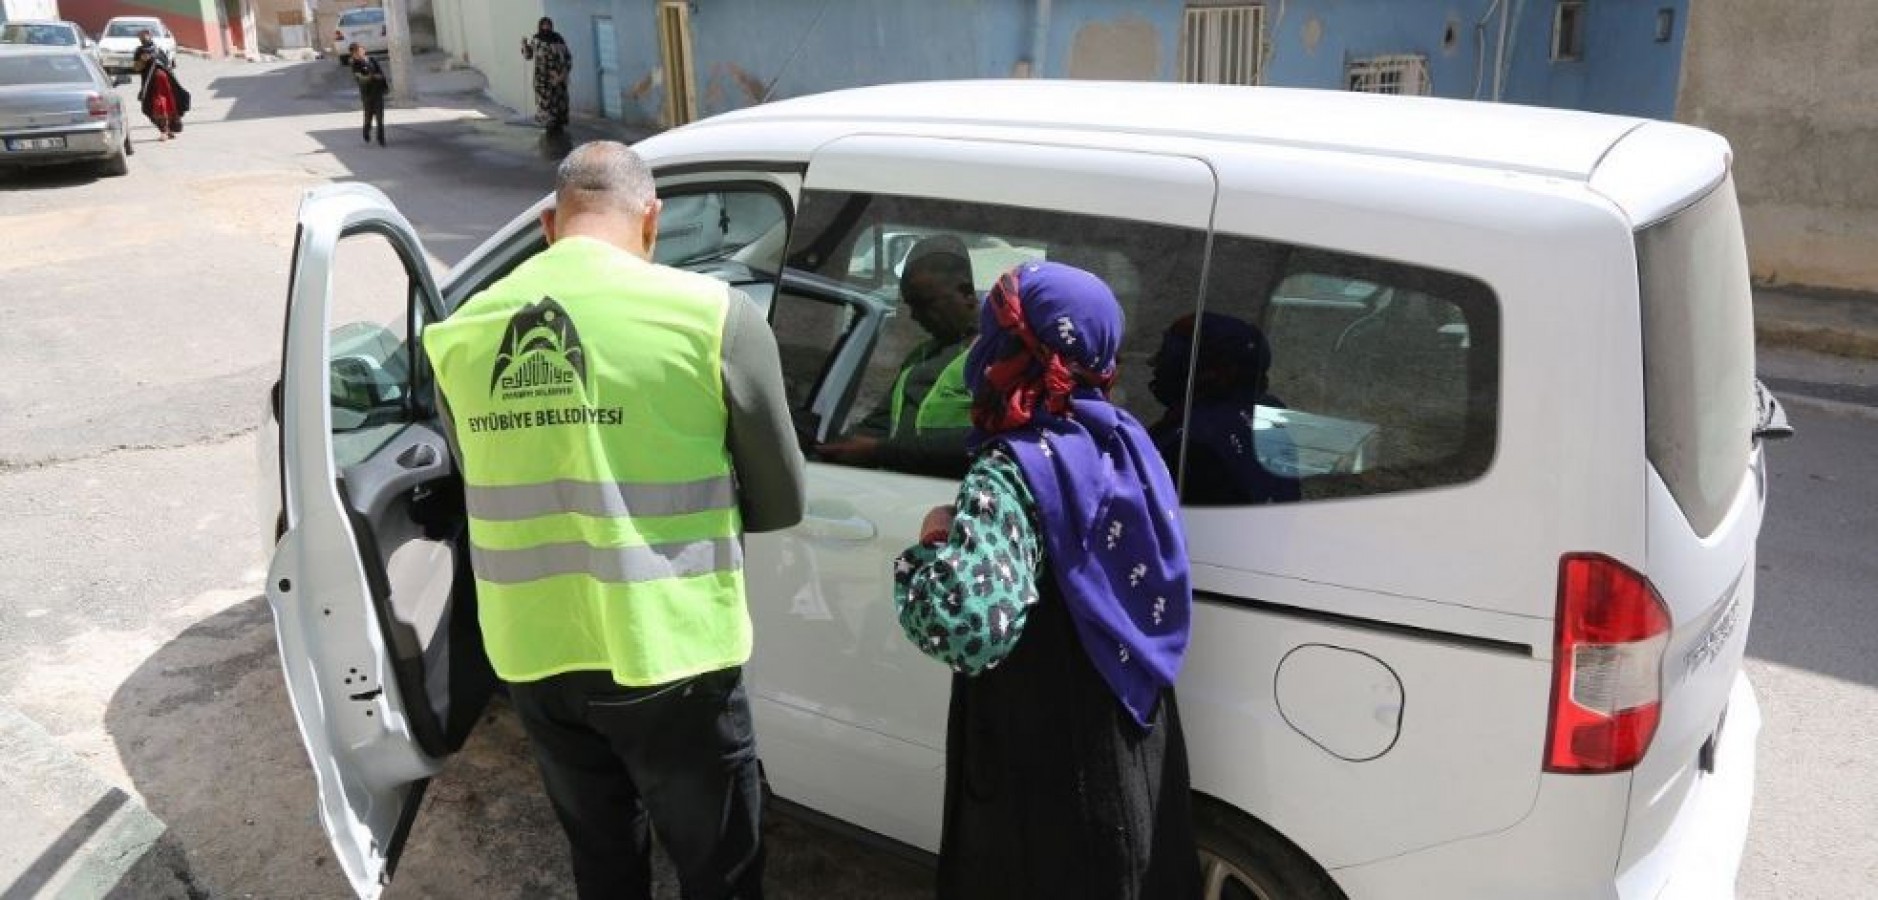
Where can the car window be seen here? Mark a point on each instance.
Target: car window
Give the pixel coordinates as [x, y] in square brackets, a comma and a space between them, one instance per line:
[43, 70]
[41, 35]
[357, 17]
[1698, 355]
[130, 29]
[1315, 375]
[373, 390]
[861, 243]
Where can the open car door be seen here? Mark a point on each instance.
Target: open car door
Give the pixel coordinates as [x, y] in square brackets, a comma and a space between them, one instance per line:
[373, 603]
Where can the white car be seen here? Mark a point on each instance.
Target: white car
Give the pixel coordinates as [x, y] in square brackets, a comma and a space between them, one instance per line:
[117, 43]
[47, 33]
[1474, 572]
[364, 26]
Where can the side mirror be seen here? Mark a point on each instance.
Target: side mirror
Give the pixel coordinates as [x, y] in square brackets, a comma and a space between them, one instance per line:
[1771, 418]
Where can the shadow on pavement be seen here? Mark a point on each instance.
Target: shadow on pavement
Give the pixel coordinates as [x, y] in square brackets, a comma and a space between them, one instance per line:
[205, 732]
[1814, 605]
[498, 170]
[49, 177]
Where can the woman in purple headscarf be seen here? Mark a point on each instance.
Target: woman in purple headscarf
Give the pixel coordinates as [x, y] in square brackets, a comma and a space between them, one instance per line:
[1057, 589]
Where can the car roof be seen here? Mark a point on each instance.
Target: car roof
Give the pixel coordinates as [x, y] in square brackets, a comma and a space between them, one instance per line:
[1553, 142]
[41, 50]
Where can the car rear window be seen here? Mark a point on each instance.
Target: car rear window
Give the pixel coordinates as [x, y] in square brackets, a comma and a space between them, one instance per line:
[1698, 354]
[362, 17]
[43, 70]
[42, 35]
[130, 29]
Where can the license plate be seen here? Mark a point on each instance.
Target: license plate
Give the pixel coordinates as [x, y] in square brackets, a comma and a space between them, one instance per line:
[51, 143]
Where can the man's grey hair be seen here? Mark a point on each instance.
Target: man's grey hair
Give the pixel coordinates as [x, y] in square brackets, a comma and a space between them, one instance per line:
[605, 173]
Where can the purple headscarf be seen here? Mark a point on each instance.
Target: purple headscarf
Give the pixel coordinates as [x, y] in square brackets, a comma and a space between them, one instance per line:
[1041, 366]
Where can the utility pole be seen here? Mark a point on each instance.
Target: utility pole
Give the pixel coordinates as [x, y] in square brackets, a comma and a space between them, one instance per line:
[398, 34]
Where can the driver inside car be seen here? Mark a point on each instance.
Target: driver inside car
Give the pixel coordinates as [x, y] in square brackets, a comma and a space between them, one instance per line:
[921, 425]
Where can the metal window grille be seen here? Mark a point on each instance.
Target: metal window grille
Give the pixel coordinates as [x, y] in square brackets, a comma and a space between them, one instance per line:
[1224, 44]
[1402, 74]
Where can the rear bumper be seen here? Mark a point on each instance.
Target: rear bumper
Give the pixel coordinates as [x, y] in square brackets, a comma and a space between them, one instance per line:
[1700, 856]
[1568, 844]
[87, 142]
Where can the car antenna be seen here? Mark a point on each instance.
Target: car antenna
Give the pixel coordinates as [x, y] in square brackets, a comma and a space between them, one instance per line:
[771, 87]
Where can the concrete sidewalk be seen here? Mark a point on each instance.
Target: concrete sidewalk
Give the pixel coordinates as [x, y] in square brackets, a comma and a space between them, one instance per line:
[1836, 323]
[70, 834]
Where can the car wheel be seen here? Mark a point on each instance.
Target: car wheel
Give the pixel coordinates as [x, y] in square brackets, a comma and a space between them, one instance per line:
[118, 164]
[1242, 859]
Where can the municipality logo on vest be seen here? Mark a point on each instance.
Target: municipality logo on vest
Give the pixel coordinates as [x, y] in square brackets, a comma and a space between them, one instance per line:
[541, 355]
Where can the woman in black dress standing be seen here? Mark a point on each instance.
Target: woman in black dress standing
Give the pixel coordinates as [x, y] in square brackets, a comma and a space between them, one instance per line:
[1057, 589]
[553, 61]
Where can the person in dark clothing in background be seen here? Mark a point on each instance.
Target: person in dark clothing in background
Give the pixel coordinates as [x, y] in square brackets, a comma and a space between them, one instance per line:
[373, 86]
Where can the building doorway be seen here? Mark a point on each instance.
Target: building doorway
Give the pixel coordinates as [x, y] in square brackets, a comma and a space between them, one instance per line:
[681, 89]
[606, 44]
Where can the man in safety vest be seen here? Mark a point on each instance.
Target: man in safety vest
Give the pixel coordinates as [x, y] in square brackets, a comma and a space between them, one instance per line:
[922, 424]
[619, 426]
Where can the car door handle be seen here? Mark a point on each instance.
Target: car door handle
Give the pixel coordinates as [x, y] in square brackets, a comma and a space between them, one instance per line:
[850, 528]
[419, 456]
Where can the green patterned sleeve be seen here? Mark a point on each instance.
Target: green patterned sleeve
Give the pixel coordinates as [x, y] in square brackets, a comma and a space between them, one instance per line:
[964, 602]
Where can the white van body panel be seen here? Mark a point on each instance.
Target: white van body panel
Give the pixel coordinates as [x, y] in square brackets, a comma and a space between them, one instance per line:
[1570, 413]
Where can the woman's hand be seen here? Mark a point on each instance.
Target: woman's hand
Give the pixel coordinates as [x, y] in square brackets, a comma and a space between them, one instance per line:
[937, 525]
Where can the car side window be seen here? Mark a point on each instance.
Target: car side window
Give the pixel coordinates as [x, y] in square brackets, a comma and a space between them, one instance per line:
[910, 272]
[733, 232]
[1318, 375]
[375, 389]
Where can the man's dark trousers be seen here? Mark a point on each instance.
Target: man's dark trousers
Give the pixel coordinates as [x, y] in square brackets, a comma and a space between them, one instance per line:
[679, 757]
[374, 110]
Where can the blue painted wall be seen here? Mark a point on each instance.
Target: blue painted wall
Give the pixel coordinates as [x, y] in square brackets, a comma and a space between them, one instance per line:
[744, 49]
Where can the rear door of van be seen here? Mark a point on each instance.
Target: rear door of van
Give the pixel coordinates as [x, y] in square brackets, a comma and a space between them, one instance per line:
[1705, 493]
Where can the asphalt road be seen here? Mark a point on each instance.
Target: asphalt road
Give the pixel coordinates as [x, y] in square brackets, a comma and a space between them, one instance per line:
[143, 321]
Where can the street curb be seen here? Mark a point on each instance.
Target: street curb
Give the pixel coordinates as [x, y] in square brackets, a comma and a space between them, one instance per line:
[1819, 339]
[110, 831]
[1836, 407]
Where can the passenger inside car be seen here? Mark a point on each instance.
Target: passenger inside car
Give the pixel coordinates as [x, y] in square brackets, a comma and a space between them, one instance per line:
[1235, 455]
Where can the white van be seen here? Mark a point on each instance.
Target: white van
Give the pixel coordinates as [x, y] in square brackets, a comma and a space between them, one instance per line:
[1473, 535]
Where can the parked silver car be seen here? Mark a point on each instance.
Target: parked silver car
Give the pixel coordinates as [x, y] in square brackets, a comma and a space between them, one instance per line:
[57, 106]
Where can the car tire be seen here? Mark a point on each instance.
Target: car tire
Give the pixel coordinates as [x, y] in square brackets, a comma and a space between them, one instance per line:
[1243, 859]
[117, 165]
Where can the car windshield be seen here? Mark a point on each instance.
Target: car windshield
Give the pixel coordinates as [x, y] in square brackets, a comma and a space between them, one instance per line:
[362, 17]
[42, 70]
[130, 29]
[43, 35]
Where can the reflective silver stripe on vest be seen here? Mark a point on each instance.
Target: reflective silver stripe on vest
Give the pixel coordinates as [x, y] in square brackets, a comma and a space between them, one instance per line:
[609, 564]
[514, 503]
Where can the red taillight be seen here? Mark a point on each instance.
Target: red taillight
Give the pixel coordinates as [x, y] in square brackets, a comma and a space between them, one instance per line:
[338, 35]
[1607, 667]
[94, 105]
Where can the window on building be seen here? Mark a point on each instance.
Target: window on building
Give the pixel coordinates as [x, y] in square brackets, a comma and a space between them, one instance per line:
[1223, 43]
[1568, 31]
[1400, 74]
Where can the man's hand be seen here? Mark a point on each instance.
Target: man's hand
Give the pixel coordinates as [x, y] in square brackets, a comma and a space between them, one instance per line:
[856, 450]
